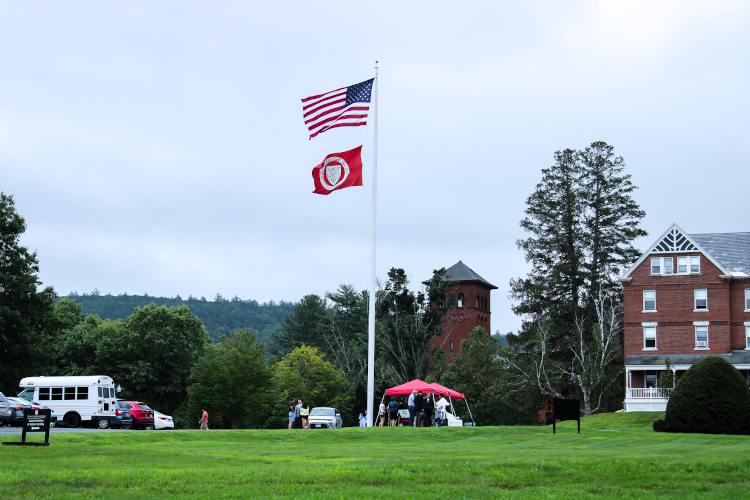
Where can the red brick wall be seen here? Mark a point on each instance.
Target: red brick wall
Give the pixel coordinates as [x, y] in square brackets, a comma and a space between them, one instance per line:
[675, 314]
[465, 318]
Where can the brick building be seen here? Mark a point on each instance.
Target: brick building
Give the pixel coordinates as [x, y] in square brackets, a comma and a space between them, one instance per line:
[472, 308]
[686, 298]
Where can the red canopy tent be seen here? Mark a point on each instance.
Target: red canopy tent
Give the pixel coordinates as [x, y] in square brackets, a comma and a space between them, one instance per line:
[419, 385]
[416, 384]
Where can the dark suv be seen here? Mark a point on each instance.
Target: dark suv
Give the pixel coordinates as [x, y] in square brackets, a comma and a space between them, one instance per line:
[123, 420]
[142, 415]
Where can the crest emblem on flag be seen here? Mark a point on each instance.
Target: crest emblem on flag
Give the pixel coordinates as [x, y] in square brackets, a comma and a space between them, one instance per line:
[338, 170]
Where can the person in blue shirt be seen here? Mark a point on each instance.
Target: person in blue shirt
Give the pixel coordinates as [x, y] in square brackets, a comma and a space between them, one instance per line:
[392, 411]
[412, 410]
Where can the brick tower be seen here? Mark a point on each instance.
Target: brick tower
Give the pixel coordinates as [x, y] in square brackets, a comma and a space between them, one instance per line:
[472, 309]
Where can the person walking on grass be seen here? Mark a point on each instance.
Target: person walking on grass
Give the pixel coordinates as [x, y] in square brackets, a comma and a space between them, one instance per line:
[412, 408]
[204, 421]
[381, 413]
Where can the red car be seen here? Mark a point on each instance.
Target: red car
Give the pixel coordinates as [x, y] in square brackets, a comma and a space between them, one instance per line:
[142, 415]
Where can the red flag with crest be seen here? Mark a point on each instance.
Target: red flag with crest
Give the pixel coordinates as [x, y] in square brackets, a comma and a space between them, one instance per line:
[338, 171]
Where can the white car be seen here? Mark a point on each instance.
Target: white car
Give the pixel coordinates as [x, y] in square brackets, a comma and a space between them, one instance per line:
[324, 417]
[162, 421]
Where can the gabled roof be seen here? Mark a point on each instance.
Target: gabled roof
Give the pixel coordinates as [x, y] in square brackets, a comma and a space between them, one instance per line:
[730, 252]
[462, 272]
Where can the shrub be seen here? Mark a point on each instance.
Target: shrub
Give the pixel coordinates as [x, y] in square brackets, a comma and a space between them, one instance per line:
[712, 397]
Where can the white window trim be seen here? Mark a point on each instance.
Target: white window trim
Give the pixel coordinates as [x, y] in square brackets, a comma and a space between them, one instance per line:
[708, 344]
[656, 345]
[695, 300]
[747, 336]
[662, 267]
[747, 299]
[644, 302]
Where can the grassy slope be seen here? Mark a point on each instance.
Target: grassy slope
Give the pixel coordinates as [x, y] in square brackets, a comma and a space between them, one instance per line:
[616, 455]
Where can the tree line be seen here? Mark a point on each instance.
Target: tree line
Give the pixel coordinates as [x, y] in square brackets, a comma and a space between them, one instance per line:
[220, 316]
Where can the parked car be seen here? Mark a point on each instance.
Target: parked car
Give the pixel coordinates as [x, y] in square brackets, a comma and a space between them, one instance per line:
[20, 404]
[142, 415]
[162, 421]
[123, 419]
[324, 417]
[7, 411]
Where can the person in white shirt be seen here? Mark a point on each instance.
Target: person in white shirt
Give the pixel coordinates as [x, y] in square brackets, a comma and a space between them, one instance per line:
[440, 409]
[381, 413]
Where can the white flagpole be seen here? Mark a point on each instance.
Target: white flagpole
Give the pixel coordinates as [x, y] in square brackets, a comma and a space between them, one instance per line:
[371, 316]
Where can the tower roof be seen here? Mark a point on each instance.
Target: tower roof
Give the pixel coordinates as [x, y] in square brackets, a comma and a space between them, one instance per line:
[463, 273]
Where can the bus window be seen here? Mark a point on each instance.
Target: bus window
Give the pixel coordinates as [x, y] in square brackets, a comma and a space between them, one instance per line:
[100, 391]
[83, 393]
[70, 393]
[44, 393]
[57, 393]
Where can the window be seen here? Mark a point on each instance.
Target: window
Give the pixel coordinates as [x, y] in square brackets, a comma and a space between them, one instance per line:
[747, 335]
[747, 299]
[70, 393]
[451, 347]
[57, 393]
[701, 336]
[701, 299]
[688, 265]
[83, 393]
[44, 393]
[460, 300]
[662, 265]
[649, 337]
[650, 379]
[649, 300]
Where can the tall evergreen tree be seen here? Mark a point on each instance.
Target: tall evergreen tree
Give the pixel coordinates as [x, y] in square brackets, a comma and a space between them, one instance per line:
[583, 221]
[304, 326]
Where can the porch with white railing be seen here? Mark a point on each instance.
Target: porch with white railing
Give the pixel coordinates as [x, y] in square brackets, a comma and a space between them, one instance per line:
[648, 393]
[646, 399]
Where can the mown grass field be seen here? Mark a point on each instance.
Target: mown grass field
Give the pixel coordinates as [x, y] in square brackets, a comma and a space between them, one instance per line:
[616, 455]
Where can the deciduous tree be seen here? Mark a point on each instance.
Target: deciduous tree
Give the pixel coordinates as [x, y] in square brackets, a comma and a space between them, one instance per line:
[25, 311]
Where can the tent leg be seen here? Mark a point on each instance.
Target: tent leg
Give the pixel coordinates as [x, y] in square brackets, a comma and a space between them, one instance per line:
[472, 416]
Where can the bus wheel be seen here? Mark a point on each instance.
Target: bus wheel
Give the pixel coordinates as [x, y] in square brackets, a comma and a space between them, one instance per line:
[103, 423]
[72, 420]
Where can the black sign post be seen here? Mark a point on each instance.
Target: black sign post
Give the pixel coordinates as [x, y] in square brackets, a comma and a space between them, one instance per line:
[34, 421]
[566, 409]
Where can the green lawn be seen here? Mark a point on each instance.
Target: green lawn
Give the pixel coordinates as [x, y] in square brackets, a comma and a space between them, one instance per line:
[616, 455]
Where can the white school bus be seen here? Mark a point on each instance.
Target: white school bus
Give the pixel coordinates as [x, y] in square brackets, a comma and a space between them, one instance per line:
[74, 399]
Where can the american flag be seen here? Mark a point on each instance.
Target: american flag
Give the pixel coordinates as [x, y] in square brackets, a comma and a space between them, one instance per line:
[344, 107]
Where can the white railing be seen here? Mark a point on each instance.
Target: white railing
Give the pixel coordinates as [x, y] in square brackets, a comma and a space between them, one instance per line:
[649, 393]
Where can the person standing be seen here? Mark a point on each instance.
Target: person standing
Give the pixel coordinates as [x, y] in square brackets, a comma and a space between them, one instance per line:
[204, 421]
[427, 408]
[291, 415]
[297, 417]
[440, 409]
[418, 407]
[392, 411]
[363, 418]
[381, 413]
[304, 413]
[412, 411]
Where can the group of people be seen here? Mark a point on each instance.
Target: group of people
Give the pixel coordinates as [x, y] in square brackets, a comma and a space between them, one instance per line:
[424, 411]
[298, 414]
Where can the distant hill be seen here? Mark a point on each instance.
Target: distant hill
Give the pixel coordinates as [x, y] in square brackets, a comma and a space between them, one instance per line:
[220, 316]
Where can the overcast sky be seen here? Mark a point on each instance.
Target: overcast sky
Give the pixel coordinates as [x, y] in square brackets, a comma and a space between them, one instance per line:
[159, 147]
